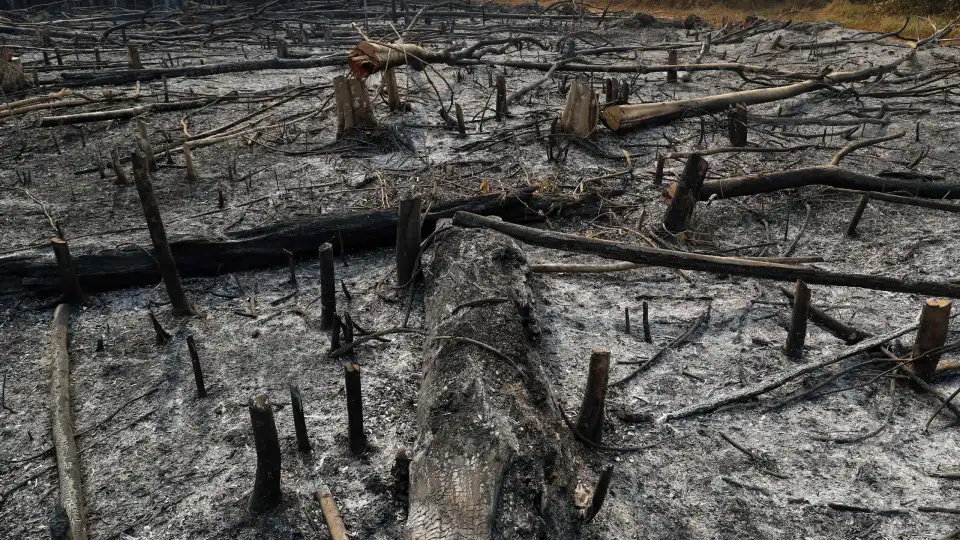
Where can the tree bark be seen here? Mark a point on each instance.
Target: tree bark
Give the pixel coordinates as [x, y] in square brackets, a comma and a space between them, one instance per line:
[64, 443]
[487, 443]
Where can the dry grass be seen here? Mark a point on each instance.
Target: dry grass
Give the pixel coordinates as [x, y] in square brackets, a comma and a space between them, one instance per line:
[875, 16]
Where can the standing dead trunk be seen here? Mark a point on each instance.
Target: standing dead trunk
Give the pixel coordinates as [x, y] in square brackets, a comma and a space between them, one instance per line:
[487, 443]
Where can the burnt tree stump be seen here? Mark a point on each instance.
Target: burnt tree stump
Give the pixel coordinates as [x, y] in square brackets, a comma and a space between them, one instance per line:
[932, 335]
[487, 423]
[685, 194]
[266, 488]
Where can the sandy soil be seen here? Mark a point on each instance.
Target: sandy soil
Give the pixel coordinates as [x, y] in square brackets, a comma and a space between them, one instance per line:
[160, 463]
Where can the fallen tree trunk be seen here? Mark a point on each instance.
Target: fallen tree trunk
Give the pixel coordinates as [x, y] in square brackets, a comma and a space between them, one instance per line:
[706, 263]
[97, 78]
[825, 175]
[37, 272]
[624, 117]
[64, 442]
[488, 456]
[130, 112]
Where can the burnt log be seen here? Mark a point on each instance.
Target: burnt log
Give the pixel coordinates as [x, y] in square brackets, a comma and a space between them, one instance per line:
[36, 272]
[488, 445]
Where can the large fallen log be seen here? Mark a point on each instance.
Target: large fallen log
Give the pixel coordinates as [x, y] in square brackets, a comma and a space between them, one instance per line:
[624, 117]
[61, 420]
[262, 247]
[825, 175]
[97, 78]
[706, 263]
[489, 458]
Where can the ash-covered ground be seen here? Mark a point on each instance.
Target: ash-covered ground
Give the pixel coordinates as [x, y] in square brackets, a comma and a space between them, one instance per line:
[158, 462]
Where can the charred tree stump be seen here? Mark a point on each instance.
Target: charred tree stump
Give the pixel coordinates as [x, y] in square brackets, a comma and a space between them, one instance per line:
[328, 287]
[64, 443]
[646, 323]
[932, 335]
[737, 125]
[580, 112]
[164, 257]
[68, 272]
[685, 195]
[857, 215]
[672, 58]
[121, 179]
[797, 334]
[408, 241]
[299, 422]
[133, 57]
[461, 126]
[354, 110]
[590, 420]
[486, 418]
[266, 488]
[501, 103]
[143, 141]
[600, 493]
[355, 435]
[197, 369]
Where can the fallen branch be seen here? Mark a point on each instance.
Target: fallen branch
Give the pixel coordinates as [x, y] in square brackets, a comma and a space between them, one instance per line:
[707, 263]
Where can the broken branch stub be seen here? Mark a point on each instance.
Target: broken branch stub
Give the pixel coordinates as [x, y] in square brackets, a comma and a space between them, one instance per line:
[580, 112]
[354, 110]
[685, 194]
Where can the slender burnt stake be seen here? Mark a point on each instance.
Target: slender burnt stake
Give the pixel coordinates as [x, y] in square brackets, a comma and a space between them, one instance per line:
[857, 215]
[151, 211]
[266, 488]
[162, 335]
[192, 175]
[672, 59]
[686, 193]
[646, 323]
[658, 173]
[166, 90]
[358, 441]
[461, 126]
[590, 420]
[798, 323]
[393, 91]
[737, 125]
[501, 108]
[293, 267]
[600, 493]
[121, 179]
[197, 371]
[328, 287]
[934, 323]
[331, 514]
[68, 271]
[626, 319]
[408, 241]
[299, 423]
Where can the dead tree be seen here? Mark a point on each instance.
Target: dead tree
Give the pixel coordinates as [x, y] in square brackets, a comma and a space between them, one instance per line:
[486, 416]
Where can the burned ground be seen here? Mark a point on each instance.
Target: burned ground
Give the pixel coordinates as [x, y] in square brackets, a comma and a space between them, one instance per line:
[159, 462]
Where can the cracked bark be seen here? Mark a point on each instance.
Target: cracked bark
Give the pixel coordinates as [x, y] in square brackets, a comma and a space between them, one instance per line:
[488, 461]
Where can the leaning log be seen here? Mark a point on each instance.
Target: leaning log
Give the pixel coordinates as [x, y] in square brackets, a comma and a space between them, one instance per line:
[625, 117]
[826, 175]
[262, 247]
[64, 443]
[489, 457]
[683, 260]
